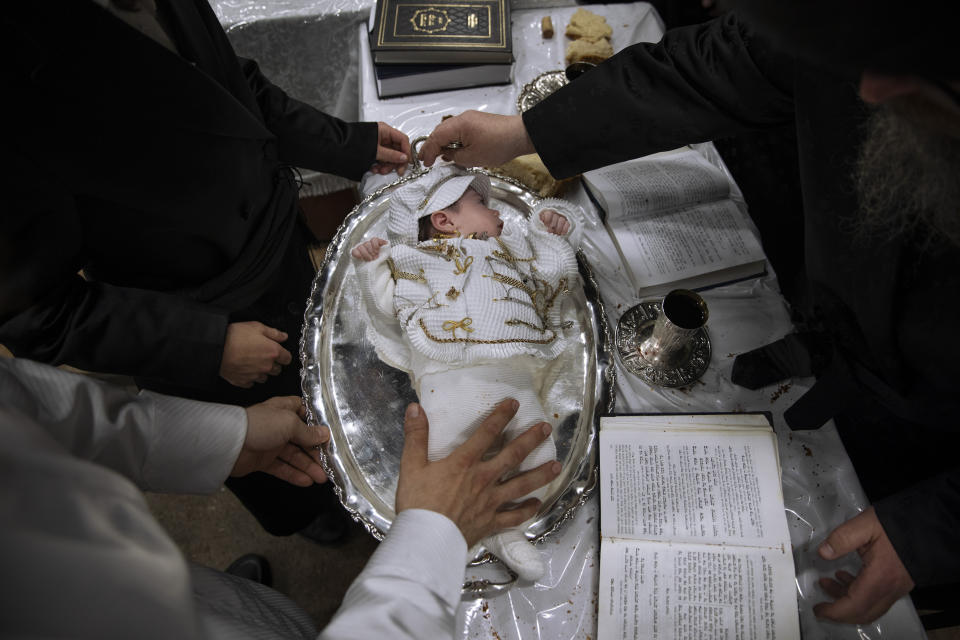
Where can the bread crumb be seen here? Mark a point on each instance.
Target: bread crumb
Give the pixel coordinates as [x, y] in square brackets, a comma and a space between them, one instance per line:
[546, 27]
[782, 389]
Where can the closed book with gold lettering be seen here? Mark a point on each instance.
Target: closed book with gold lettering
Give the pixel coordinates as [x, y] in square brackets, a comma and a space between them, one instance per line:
[444, 32]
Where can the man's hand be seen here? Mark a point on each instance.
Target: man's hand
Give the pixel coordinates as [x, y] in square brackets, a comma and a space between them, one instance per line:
[554, 222]
[882, 581]
[463, 486]
[277, 441]
[393, 150]
[251, 352]
[488, 140]
[368, 250]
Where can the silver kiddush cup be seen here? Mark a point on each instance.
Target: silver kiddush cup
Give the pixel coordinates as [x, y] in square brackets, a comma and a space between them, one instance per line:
[681, 315]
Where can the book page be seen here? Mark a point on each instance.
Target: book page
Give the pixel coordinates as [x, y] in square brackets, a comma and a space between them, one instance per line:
[658, 183]
[681, 244]
[697, 487]
[654, 591]
[736, 421]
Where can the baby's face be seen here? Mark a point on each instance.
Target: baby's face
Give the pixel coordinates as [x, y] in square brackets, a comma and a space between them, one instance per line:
[471, 216]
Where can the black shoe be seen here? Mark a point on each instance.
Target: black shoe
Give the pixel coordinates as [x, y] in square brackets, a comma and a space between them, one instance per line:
[252, 567]
[332, 523]
[330, 527]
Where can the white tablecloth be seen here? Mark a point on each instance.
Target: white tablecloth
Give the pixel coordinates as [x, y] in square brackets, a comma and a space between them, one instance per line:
[820, 488]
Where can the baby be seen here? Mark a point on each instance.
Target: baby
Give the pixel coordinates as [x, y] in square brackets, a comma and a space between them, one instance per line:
[478, 305]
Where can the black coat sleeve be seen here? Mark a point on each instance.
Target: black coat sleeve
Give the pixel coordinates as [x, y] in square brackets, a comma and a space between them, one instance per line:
[922, 523]
[698, 83]
[308, 137]
[50, 313]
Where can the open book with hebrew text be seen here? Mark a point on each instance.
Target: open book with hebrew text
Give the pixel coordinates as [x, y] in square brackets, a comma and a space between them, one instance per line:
[694, 538]
[673, 221]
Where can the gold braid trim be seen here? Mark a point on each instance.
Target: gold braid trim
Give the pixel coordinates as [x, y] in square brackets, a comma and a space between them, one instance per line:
[541, 300]
[517, 301]
[507, 255]
[480, 341]
[443, 248]
[462, 266]
[561, 288]
[515, 321]
[513, 282]
[396, 274]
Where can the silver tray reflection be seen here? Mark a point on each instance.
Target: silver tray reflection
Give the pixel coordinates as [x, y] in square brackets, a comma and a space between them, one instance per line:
[362, 400]
[539, 88]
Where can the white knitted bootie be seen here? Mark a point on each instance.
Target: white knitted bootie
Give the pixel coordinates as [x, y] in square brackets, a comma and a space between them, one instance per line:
[518, 553]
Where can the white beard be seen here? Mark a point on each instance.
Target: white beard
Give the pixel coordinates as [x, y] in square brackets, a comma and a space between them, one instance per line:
[907, 177]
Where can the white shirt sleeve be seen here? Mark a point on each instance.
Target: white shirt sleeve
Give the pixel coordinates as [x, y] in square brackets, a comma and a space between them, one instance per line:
[89, 561]
[411, 586]
[81, 551]
[160, 443]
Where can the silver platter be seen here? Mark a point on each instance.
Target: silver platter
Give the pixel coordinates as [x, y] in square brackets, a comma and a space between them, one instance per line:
[362, 400]
[635, 326]
[539, 88]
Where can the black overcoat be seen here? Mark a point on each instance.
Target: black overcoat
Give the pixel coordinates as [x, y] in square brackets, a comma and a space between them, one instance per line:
[164, 177]
[889, 305]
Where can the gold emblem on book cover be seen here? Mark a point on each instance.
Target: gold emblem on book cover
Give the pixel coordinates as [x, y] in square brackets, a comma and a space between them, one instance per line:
[430, 20]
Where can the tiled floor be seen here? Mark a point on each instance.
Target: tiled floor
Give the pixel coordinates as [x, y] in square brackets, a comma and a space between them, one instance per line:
[215, 530]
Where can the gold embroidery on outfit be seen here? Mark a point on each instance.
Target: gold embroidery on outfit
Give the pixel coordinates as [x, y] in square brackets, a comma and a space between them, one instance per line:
[513, 322]
[396, 274]
[506, 255]
[427, 333]
[462, 266]
[449, 252]
[411, 307]
[535, 293]
[443, 248]
[541, 294]
[453, 325]
[512, 282]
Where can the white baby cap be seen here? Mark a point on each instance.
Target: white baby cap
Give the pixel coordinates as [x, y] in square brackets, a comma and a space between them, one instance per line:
[438, 189]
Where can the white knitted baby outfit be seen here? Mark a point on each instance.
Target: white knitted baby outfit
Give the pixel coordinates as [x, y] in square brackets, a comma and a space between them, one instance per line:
[477, 320]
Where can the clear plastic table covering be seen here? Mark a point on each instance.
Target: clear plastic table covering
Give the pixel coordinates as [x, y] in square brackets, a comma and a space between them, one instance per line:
[306, 47]
[309, 49]
[820, 487]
